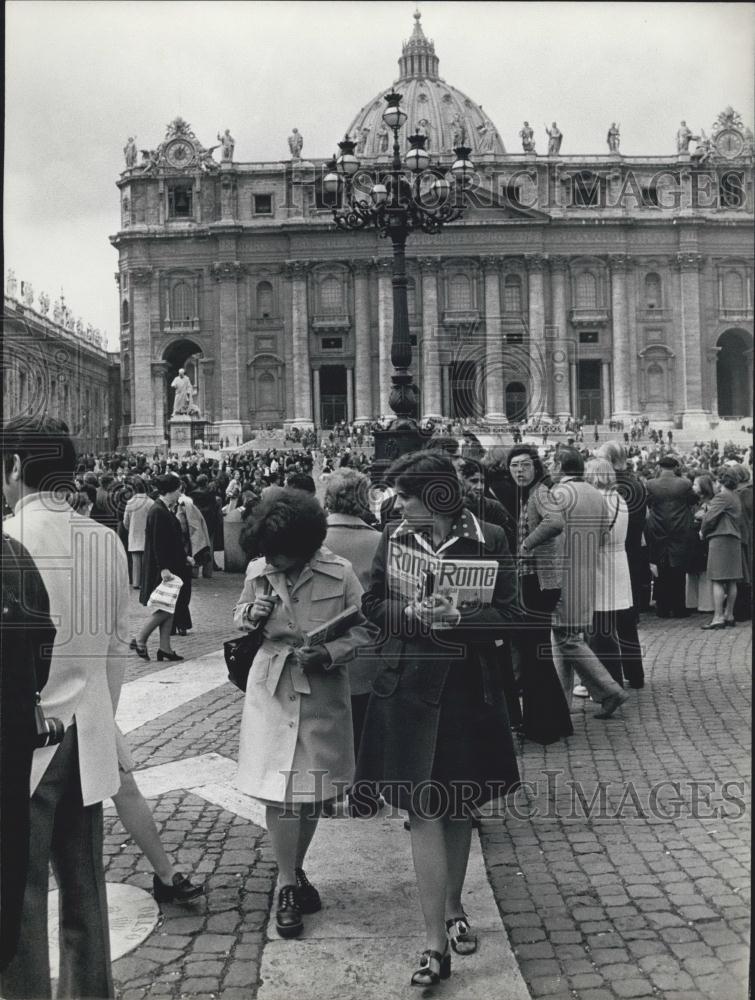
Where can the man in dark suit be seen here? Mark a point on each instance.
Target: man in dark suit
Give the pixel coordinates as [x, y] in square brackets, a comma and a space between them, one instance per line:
[669, 523]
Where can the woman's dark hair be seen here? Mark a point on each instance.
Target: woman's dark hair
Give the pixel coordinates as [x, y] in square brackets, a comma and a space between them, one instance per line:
[727, 477]
[286, 523]
[472, 467]
[570, 461]
[532, 453]
[137, 485]
[706, 486]
[167, 483]
[45, 449]
[300, 481]
[430, 476]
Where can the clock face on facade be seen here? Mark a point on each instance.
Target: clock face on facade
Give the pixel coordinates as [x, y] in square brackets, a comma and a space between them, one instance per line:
[729, 143]
[179, 153]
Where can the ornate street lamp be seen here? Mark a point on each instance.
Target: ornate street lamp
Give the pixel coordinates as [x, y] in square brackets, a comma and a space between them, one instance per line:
[409, 196]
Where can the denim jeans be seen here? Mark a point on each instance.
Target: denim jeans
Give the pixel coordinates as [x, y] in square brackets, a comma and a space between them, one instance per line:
[575, 656]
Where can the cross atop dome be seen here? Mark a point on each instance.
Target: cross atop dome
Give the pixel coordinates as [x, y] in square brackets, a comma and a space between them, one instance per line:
[418, 57]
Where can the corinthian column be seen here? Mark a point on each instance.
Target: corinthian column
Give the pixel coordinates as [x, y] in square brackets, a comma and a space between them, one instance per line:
[537, 402]
[362, 361]
[562, 407]
[620, 346]
[431, 395]
[694, 415]
[385, 333]
[296, 271]
[495, 410]
[143, 432]
[227, 273]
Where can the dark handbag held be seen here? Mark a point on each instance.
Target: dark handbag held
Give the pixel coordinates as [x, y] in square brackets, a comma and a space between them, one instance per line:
[239, 653]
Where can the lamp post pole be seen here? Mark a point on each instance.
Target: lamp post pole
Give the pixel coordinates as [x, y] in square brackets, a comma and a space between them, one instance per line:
[397, 209]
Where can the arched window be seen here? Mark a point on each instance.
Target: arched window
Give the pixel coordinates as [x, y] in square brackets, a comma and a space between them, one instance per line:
[459, 292]
[656, 386]
[411, 296]
[733, 290]
[266, 395]
[331, 296]
[512, 294]
[587, 291]
[124, 312]
[652, 291]
[264, 300]
[181, 303]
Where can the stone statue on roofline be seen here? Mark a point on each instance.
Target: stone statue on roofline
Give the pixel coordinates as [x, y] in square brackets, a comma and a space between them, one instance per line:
[295, 144]
[27, 292]
[684, 136]
[527, 135]
[555, 138]
[11, 285]
[228, 144]
[613, 138]
[44, 303]
[129, 152]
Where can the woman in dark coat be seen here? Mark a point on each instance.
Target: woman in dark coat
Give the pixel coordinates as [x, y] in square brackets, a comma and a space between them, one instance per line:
[164, 556]
[720, 525]
[540, 553]
[436, 738]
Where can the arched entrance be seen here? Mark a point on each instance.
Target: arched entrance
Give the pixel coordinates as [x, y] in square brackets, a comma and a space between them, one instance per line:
[182, 354]
[734, 373]
[516, 402]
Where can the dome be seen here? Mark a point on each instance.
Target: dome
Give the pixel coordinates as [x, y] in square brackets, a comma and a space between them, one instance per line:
[446, 116]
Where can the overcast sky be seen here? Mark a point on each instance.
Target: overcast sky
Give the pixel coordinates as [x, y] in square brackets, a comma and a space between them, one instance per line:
[81, 77]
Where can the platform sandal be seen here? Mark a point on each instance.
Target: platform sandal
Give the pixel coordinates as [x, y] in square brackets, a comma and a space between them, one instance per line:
[432, 968]
[460, 935]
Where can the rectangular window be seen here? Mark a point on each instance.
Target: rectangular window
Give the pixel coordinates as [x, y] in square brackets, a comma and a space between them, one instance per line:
[263, 204]
[654, 336]
[180, 201]
[332, 343]
[588, 336]
[263, 344]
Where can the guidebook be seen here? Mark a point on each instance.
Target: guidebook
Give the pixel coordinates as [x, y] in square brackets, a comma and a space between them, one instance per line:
[334, 628]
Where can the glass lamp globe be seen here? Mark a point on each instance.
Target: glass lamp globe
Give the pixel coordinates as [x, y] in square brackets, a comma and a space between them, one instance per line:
[417, 159]
[330, 183]
[393, 116]
[379, 194]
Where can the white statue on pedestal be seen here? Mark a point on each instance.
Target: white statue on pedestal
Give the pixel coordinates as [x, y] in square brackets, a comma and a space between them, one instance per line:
[184, 391]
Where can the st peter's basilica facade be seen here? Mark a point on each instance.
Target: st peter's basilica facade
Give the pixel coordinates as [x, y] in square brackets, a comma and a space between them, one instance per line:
[598, 286]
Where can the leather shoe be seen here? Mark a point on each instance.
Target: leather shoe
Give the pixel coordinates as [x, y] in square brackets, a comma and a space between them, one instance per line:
[288, 921]
[179, 890]
[610, 704]
[713, 625]
[307, 896]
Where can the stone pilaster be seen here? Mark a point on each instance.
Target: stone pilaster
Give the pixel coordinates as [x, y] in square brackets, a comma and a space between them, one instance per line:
[562, 405]
[385, 333]
[495, 409]
[317, 397]
[537, 402]
[712, 355]
[350, 394]
[227, 273]
[142, 433]
[362, 361]
[297, 274]
[620, 346]
[605, 381]
[689, 264]
[160, 371]
[432, 404]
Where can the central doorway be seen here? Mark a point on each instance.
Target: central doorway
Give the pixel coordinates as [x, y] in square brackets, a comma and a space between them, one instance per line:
[589, 393]
[333, 407]
[465, 391]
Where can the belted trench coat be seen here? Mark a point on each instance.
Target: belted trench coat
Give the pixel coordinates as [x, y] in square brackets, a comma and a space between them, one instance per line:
[437, 705]
[296, 740]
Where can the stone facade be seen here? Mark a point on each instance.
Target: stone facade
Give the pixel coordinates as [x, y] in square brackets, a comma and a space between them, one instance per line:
[601, 286]
[52, 367]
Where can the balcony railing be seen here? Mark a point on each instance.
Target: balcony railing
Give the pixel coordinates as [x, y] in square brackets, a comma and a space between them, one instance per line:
[588, 317]
[737, 312]
[178, 325]
[653, 315]
[454, 317]
[331, 321]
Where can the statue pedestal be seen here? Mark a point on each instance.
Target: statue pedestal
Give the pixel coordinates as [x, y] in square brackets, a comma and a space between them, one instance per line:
[184, 431]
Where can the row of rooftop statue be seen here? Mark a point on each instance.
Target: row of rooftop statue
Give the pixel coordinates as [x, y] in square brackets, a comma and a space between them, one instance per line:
[486, 143]
[61, 313]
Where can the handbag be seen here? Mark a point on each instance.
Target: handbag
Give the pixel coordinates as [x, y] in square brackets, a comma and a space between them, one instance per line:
[165, 594]
[239, 653]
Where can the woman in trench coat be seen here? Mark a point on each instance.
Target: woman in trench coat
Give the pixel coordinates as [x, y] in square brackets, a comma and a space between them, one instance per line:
[436, 739]
[296, 750]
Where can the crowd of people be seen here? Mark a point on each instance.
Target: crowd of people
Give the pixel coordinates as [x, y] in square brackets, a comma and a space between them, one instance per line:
[369, 683]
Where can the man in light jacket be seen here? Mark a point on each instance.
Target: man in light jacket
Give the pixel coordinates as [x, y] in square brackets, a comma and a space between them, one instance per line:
[585, 526]
[84, 569]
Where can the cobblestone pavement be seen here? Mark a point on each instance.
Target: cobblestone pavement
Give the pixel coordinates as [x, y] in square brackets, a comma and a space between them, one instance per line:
[643, 892]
